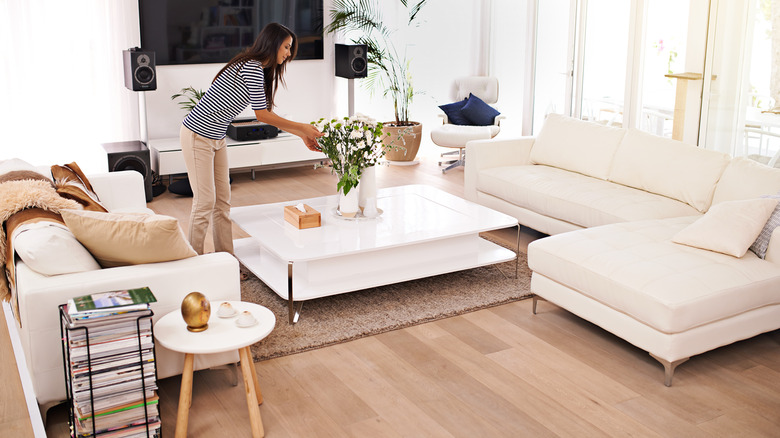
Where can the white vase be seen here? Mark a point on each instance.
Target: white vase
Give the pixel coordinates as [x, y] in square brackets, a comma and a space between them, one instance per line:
[348, 204]
[367, 185]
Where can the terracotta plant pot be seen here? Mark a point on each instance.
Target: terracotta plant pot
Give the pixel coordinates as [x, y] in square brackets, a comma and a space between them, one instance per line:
[406, 148]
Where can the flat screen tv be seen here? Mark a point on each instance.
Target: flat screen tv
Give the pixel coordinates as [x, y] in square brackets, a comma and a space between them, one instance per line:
[213, 31]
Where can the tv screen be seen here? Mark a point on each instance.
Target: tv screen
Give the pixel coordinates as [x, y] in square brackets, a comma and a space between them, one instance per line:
[213, 31]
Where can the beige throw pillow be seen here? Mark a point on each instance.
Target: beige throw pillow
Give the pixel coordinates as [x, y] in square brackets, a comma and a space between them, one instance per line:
[119, 239]
[729, 227]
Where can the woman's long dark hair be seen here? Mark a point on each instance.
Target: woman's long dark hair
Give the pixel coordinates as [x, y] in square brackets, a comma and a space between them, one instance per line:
[265, 50]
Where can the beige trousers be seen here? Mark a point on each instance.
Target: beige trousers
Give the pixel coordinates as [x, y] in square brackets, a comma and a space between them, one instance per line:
[209, 175]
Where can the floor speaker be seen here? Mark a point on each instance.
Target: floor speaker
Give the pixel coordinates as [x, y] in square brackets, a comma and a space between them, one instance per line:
[131, 155]
[351, 60]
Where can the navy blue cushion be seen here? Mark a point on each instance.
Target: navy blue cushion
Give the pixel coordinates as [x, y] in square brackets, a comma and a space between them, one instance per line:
[477, 112]
[453, 112]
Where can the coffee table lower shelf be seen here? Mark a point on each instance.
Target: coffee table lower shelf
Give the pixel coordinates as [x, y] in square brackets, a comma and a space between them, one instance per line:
[300, 280]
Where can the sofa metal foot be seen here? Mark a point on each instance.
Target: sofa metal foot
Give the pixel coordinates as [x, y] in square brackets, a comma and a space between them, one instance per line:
[668, 368]
[536, 299]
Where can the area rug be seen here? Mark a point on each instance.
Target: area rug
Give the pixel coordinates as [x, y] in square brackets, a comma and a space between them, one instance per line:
[340, 318]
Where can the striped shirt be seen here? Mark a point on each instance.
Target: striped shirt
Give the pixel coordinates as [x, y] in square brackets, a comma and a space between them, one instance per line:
[227, 96]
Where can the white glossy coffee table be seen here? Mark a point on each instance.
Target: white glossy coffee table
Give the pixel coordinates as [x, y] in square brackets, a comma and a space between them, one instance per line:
[221, 335]
[422, 232]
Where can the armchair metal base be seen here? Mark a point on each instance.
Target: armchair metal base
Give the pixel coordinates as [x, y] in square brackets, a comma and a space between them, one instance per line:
[451, 164]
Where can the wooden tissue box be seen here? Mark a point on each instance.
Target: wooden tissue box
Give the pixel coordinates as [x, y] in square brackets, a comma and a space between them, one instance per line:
[301, 220]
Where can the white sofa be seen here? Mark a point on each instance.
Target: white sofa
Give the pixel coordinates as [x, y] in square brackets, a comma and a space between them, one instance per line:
[216, 275]
[614, 199]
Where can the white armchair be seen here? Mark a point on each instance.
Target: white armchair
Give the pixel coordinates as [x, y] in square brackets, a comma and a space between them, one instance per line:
[466, 118]
[216, 275]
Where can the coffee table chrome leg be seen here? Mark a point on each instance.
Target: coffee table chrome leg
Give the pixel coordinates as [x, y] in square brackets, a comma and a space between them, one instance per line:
[517, 251]
[291, 312]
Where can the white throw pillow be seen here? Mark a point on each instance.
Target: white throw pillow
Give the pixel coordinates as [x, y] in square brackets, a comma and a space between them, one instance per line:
[729, 227]
[50, 248]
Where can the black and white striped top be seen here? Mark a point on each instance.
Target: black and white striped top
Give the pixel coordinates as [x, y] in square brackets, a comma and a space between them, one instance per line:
[227, 96]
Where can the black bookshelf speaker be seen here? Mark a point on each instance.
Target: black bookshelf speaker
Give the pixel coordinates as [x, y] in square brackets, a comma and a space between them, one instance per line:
[351, 61]
[131, 155]
[140, 74]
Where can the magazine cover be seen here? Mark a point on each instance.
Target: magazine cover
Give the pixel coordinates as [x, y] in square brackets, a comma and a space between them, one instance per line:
[116, 298]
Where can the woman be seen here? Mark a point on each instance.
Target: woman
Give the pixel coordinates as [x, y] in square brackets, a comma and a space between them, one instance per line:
[251, 77]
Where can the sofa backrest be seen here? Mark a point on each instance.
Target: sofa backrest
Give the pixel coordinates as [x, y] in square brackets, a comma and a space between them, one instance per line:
[744, 178]
[668, 167]
[572, 144]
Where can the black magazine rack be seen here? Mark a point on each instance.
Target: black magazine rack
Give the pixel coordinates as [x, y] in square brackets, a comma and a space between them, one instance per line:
[67, 331]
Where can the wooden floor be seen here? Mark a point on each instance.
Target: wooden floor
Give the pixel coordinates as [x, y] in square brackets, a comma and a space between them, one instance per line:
[499, 372]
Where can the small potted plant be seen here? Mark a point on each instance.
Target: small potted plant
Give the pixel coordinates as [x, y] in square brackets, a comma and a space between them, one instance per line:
[191, 95]
[387, 67]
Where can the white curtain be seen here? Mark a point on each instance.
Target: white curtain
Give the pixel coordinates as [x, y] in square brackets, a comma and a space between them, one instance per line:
[62, 88]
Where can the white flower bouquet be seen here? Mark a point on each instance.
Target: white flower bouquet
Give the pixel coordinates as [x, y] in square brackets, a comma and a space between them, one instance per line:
[352, 144]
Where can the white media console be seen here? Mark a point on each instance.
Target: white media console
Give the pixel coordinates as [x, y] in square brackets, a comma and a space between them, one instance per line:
[282, 151]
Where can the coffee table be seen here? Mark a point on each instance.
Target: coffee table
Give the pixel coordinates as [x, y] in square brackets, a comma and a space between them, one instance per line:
[422, 231]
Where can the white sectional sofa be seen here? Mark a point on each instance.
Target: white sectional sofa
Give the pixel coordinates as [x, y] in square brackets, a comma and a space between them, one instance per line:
[615, 200]
[216, 275]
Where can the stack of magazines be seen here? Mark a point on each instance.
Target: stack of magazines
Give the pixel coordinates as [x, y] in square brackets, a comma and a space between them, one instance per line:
[108, 348]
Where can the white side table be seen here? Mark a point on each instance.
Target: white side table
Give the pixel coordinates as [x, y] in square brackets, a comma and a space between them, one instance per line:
[222, 335]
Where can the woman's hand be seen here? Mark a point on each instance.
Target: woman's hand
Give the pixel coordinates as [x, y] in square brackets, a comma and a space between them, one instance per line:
[309, 133]
[306, 131]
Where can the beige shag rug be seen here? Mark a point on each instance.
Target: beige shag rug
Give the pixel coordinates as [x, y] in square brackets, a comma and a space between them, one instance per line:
[332, 320]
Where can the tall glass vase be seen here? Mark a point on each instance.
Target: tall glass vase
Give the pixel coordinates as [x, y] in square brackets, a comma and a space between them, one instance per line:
[348, 204]
[367, 186]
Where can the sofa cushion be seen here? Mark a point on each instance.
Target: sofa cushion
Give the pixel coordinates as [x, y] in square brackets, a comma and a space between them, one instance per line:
[762, 241]
[478, 112]
[744, 178]
[729, 227]
[453, 112]
[71, 171]
[77, 191]
[668, 167]
[634, 268]
[575, 198]
[583, 147]
[49, 248]
[119, 239]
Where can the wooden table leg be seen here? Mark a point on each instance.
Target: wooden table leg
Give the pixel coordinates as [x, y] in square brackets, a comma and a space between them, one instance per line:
[255, 378]
[251, 394]
[185, 397]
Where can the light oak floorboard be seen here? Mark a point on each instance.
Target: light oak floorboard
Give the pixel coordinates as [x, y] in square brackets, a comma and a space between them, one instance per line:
[14, 416]
[496, 372]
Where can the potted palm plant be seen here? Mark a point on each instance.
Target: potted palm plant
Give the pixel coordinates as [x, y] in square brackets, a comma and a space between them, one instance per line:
[388, 68]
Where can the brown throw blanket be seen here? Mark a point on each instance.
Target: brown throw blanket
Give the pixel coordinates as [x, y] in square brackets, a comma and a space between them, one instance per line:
[19, 195]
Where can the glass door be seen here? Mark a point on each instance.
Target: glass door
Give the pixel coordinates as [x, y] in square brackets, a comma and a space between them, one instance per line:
[601, 94]
[741, 104]
[672, 68]
[554, 60]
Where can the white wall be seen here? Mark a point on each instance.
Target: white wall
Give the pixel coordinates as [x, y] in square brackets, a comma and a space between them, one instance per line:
[445, 46]
[309, 94]
[451, 42]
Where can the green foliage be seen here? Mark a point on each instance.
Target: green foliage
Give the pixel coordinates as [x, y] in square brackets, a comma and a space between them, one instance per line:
[191, 95]
[352, 144]
[386, 67]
